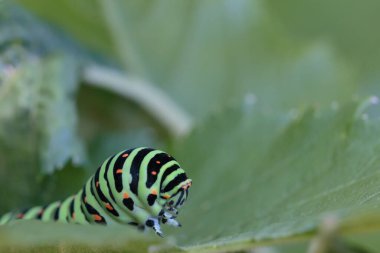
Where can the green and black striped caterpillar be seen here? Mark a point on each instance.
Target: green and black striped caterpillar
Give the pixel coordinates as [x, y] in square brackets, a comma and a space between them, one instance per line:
[142, 187]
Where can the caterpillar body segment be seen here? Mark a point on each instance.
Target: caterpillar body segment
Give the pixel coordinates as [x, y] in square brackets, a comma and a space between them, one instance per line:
[142, 187]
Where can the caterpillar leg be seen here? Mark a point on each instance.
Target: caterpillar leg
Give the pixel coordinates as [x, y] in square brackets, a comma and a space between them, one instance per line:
[173, 210]
[163, 215]
[146, 219]
[171, 222]
[168, 218]
[155, 220]
[154, 223]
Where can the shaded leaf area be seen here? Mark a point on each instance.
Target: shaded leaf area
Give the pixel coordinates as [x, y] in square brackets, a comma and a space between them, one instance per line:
[357, 234]
[254, 181]
[38, 237]
[213, 53]
[38, 124]
[108, 123]
[58, 185]
[368, 241]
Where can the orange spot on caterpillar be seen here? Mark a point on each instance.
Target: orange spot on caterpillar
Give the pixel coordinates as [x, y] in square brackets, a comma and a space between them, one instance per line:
[154, 173]
[73, 216]
[154, 192]
[158, 162]
[119, 171]
[97, 217]
[109, 207]
[166, 196]
[20, 216]
[125, 155]
[125, 195]
[85, 199]
[97, 184]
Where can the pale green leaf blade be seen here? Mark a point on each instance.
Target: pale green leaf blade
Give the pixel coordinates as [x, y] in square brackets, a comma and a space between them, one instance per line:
[56, 237]
[263, 181]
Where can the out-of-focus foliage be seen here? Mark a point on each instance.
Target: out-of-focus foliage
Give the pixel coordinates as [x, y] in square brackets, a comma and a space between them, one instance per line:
[350, 26]
[40, 93]
[278, 142]
[216, 52]
[37, 109]
[39, 86]
[38, 120]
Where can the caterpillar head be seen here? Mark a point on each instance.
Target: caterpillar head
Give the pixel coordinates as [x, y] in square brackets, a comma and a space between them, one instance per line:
[179, 196]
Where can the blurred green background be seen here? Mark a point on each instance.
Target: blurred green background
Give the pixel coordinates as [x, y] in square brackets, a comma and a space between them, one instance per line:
[270, 106]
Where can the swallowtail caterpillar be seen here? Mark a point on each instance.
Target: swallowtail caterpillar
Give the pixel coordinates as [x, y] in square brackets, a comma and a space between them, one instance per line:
[143, 187]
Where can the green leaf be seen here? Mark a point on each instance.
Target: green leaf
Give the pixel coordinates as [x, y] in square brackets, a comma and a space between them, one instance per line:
[264, 179]
[39, 96]
[37, 123]
[255, 178]
[73, 238]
